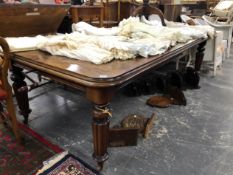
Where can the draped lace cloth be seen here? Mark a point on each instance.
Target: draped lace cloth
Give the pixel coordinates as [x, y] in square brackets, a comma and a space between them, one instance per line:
[131, 38]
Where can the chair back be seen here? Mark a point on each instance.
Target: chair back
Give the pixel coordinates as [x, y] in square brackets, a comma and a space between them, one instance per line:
[147, 10]
[6, 91]
[4, 63]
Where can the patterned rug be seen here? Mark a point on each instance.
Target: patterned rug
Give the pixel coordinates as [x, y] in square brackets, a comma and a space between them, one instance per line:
[69, 165]
[26, 158]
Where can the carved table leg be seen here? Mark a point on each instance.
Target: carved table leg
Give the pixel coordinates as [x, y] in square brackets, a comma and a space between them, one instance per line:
[22, 97]
[100, 128]
[101, 121]
[199, 56]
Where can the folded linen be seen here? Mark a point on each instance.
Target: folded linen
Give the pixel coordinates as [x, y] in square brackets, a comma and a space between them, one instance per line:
[24, 43]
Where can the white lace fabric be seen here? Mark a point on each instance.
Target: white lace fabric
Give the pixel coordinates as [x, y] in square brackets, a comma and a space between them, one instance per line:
[131, 38]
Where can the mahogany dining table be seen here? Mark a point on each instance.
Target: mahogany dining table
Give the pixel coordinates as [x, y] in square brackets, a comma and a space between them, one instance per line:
[98, 82]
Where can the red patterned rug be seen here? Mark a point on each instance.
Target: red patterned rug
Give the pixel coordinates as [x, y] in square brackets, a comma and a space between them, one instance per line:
[26, 158]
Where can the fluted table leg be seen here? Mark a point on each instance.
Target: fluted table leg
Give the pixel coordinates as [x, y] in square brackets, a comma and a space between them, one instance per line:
[100, 98]
[100, 128]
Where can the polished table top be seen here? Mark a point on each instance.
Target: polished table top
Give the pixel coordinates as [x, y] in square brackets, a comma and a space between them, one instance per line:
[88, 74]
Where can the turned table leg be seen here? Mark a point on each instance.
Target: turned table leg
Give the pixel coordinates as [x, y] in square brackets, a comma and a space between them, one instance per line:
[100, 97]
[100, 128]
[199, 56]
[22, 97]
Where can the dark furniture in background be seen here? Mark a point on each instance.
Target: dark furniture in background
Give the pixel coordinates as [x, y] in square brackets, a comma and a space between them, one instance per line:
[171, 12]
[198, 8]
[65, 26]
[88, 12]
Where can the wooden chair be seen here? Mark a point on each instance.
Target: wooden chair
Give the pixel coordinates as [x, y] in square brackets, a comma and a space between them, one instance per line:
[7, 110]
[20, 23]
[147, 10]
